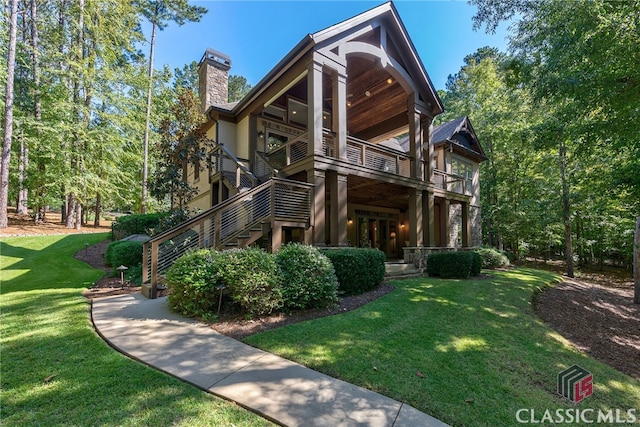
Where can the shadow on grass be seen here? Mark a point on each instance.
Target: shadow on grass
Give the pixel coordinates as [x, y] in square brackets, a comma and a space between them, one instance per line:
[470, 352]
[46, 262]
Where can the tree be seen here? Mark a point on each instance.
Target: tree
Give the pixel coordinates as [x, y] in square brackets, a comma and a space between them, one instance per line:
[8, 115]
[579, 61]
[238, 88]
[158, 13]
[182, 144]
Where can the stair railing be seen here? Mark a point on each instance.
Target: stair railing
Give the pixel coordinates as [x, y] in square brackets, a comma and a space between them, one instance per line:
[276, 200]
[225, 162]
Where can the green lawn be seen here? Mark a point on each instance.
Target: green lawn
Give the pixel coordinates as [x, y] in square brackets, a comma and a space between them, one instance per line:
[470, 353]
[55, 370]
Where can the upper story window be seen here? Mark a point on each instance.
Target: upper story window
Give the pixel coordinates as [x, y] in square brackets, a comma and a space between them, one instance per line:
[465, 170]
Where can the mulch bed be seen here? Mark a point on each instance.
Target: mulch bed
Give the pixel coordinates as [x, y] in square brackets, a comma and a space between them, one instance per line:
[595, 312]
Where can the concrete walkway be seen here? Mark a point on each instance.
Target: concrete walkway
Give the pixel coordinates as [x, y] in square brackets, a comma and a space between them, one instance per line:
[278, 389]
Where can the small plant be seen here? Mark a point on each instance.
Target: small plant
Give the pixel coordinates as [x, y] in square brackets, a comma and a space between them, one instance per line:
[492, 258]
[308, 277]
[358, 270]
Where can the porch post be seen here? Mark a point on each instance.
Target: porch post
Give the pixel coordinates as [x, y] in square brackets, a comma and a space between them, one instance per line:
[339, 117]
[445, 227]
[314, 96]
[427, 138]
[466, 226]
[276, 237]
[431, 220]
[317, 177]
[338, 212]
[415, 142]
[415, 218]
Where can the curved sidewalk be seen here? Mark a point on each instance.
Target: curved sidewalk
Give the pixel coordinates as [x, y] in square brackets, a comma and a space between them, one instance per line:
[278, 389]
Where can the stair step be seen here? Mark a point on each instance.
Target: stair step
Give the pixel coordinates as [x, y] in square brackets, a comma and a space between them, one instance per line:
[400, 269]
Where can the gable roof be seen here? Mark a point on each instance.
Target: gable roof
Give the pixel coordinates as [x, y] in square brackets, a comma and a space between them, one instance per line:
[461, 135]
[385, 12]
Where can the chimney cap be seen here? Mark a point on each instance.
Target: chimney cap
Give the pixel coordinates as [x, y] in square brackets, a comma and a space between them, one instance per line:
[218, 58]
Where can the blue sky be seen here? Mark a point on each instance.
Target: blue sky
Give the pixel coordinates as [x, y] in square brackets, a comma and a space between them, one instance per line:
[256, 35]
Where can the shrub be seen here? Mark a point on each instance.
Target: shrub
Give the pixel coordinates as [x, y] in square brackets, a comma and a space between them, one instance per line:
[124, 252]
[476, 263]
[251, 276]
[449, 265]
[358, 269]
[192, 284]
[307, 276]
[135, 224]
[492, 258]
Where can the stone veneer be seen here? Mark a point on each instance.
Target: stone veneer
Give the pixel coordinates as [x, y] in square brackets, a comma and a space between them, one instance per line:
[213, 79]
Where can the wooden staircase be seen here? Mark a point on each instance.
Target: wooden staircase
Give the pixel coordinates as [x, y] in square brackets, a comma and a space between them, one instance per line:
[235, 223]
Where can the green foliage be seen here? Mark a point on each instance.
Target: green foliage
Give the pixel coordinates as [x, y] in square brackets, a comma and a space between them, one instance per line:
[136, 224]
[307, 276]
[358, 269]
[45, 333]
[251, 277]
[492, 258]
[192, 283]
[169, 220]
[474, 341]
[124, 252]
[454, 264]
[476, 263]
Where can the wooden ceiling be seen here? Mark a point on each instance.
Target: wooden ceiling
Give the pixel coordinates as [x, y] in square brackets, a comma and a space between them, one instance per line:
[374, 106]
[373, 100]
[365, 191]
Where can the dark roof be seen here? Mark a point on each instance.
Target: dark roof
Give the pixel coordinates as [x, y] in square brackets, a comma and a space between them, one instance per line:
[460, 133]
[445, 131]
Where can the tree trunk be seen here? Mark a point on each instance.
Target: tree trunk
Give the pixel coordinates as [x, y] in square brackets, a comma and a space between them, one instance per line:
[22, 207]
[566, 208]
[71, 209]
[145, 144]
[636, 264]
[96, 220]
[8, 115]
[78, 216]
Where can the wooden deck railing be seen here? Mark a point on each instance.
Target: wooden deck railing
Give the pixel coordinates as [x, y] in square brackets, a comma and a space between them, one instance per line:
[450, 182]
[277, 199]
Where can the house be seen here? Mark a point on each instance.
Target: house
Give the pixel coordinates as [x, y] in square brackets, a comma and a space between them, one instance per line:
[335, 146]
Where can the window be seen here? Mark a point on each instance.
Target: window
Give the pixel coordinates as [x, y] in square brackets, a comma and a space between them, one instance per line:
[465, 170]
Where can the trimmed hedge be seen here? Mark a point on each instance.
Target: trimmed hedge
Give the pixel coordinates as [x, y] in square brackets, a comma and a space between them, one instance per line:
[358, 270]
[492, 258]
[192, 284]
[136, 224]
[124, 252]
[252, 278]
[454, 265]
[308, 277]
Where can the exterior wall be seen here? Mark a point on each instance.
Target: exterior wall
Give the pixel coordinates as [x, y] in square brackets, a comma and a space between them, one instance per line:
[455, 216]
[475, 215]
[241, 149]
[227, 135]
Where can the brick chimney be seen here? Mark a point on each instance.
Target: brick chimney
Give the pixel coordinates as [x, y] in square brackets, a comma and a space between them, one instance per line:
[213, 78]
